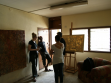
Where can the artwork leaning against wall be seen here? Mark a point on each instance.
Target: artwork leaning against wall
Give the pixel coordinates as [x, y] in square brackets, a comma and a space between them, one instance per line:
[12, 50]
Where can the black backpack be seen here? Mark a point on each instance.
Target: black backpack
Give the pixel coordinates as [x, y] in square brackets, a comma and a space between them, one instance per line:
[88, 64]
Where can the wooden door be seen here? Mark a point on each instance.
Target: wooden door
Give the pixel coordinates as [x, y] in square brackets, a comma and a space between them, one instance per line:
[45, 34]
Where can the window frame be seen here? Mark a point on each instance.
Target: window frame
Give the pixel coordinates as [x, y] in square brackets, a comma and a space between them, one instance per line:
[89, 37]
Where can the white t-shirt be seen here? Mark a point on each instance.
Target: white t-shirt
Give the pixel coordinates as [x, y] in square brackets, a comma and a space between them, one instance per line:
[58, 54]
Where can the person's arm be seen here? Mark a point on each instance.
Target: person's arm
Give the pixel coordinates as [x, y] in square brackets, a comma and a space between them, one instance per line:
[51, 52]
[63, 41]
[63, 46]
[29, 48]
[39, 46]
[39, 49]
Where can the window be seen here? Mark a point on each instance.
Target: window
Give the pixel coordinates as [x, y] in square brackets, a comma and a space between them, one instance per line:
[100, 39]
[95, 39]
[54, 33]
[85, 33]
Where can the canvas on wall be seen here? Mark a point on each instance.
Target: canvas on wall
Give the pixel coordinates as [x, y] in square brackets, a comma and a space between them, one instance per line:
[74, 43]
[12, 50]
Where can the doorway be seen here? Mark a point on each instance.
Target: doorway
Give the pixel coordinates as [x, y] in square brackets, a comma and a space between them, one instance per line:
[53, 34]
[49, 39]
[45, 34]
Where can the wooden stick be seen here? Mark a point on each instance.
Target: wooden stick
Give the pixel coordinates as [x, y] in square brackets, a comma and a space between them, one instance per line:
[71, 28]
[71, 25]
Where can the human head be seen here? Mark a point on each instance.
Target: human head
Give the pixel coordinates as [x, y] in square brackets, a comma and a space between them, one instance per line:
[40, 38]
[34, 36]
[57, 38]
[60, 34]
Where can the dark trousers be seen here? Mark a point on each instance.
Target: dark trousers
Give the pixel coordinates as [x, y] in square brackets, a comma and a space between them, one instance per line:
[45, 56]
[58, 67]
[34, 67]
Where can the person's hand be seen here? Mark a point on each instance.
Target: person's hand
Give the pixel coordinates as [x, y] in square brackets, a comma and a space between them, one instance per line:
[51, 52]
[37, 49]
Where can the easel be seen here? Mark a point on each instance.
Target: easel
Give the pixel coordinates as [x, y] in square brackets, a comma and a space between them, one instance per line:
[69, 68]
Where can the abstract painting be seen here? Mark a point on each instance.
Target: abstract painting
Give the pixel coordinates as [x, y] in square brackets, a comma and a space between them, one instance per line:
[12, 50]
[74, 43]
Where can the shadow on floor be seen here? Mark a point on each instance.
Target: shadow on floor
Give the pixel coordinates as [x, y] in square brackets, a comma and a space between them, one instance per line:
[26, 79]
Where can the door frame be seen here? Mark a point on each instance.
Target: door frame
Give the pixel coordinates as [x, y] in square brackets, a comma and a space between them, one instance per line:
[39, 28]
[49, 34]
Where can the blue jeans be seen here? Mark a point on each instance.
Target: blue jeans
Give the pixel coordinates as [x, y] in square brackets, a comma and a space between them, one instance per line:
[58, 67]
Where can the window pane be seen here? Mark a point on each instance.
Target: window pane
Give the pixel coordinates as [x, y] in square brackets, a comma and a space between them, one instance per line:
[100, 39]
[54, 33]
[81, 32]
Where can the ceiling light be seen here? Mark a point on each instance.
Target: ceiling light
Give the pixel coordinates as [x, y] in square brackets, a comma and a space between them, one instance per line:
[70, 4]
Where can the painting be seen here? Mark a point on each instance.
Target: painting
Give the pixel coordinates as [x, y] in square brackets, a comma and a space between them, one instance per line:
[74, 43]
[12, 51]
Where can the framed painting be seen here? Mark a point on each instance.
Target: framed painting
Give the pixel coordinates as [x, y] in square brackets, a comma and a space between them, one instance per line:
[74, 43]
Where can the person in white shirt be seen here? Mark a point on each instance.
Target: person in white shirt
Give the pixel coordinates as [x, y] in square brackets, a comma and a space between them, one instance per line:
[58, 58]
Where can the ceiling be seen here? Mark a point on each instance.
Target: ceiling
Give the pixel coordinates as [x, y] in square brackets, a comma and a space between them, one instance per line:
[41, 7]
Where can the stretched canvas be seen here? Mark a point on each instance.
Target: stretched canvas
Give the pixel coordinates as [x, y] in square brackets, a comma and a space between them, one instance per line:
[74, 43]
[12, 50]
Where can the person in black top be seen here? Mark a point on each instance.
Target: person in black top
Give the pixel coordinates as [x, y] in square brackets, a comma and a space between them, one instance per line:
[45, 55]
[62, 41]
[33, 55]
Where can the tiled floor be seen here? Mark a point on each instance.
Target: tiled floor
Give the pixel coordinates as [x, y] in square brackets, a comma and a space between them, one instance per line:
[48, 77]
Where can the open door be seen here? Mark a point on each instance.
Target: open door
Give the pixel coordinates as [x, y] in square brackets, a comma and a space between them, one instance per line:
[45, 34]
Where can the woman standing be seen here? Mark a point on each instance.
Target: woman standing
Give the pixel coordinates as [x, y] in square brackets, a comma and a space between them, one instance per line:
[33, 55]
[58, 59]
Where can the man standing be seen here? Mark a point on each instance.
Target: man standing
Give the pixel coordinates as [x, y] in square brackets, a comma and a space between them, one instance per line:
[45, 55]
[62, 41]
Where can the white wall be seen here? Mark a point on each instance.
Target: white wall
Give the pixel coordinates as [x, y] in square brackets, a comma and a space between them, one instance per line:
[92, 19]
[13, 19]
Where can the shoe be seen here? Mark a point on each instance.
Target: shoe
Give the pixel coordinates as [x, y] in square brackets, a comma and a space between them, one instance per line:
[46, 69]
[34, 79]
[50, 70]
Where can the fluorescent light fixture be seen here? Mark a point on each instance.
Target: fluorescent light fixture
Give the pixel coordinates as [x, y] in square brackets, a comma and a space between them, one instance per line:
[71, 4]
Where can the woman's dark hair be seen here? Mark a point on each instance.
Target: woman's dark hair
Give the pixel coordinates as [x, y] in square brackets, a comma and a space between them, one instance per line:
[34, 35]
[57, 38]
[60, 34]
[40, 38]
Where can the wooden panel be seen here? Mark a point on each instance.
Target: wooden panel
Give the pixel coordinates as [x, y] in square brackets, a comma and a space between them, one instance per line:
[12, 50]
[55, 23]
[110, 39]
[41, 66]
